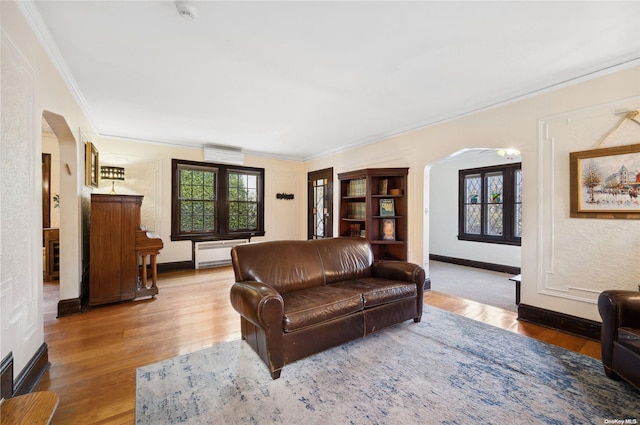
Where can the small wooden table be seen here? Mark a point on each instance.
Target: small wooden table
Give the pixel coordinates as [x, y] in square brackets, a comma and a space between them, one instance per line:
[518, 280]
[33, 408]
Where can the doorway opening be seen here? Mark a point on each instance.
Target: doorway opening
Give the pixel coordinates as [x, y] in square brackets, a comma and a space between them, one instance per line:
[477, 271]
[64, 207]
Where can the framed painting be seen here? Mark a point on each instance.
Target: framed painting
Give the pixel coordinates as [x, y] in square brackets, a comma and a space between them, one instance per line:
[91, 164]
[605, 183]
[387, 207]
[388, 229]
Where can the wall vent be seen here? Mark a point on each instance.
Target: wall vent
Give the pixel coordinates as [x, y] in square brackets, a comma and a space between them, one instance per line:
[215, 253]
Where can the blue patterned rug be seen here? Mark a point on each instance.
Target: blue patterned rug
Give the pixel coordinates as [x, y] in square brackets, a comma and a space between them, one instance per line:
[446, 369]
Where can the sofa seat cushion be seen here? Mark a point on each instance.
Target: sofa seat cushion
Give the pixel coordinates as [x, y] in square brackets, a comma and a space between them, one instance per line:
[319, 304]
[376, 291]
[630, 338]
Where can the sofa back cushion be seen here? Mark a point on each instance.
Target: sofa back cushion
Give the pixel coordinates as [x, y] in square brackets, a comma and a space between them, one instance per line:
[345, 258]
[293, 265]
[284, 265]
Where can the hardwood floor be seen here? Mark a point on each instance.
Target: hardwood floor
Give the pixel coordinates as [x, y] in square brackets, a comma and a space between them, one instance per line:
[94, 355]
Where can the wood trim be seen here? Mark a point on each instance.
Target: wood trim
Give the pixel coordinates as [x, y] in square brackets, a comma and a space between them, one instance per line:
[552, 319]
[33, 372]
[477, 264]
[175, 266]
[326, 173]
[46, 190]
[6, 376]
[69, 307]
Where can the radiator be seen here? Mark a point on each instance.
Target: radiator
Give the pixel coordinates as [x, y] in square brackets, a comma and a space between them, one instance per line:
[215, 253]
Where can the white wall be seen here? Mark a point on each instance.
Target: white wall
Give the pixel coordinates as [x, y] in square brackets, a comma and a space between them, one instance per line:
[148, 172]
[31, 85]
[554, 260]
[565, 262]
[443, 211]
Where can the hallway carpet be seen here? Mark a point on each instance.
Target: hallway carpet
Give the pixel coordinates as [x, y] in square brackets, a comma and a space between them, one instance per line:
[483, 286]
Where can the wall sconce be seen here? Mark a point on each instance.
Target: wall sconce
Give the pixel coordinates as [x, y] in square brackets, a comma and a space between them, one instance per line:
[112, 173]
[509, 153]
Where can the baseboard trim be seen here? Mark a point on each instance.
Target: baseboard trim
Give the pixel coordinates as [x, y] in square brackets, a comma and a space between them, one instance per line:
[477, 264]
[552, 319]
[175, 266]
[6, 376]
[33, 372]
[69, 307]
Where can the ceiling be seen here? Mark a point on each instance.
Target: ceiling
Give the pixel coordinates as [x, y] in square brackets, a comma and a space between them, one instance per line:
[301, 79]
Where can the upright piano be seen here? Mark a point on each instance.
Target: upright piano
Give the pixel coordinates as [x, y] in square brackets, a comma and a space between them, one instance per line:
[119, 247]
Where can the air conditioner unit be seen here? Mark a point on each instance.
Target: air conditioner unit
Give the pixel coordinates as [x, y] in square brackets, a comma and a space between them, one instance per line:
[223, 155]
[215, 253]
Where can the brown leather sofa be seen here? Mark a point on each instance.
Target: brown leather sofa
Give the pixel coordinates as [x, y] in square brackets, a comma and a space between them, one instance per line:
[620, 336]
[297, 298]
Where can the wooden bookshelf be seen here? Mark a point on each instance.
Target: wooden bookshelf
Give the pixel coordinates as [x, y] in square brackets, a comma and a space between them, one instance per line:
[362, 192]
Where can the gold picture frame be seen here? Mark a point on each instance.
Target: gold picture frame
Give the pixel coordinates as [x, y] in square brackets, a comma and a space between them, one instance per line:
[91, 164]
[605, 183]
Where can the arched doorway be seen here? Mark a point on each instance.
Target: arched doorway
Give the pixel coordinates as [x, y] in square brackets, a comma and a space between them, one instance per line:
[70, 229]
[459, 262]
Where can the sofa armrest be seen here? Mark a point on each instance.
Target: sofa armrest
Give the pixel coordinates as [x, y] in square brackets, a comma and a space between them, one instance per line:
[617, 309]
[258, 303]
[400, 270]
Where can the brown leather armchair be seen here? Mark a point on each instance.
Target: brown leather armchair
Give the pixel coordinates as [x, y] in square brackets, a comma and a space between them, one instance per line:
[620, 336]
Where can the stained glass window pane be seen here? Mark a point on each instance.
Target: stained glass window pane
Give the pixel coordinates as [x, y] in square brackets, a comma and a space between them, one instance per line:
[494, 213]
[473, 189]
[495, 187]
[318, 209]
[472, 224]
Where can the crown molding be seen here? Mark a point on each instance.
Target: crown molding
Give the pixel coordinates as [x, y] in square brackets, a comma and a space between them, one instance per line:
[41, 31]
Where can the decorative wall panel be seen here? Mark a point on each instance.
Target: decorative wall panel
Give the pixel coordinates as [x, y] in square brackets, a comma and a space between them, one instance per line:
[18, 208]
[581, 257]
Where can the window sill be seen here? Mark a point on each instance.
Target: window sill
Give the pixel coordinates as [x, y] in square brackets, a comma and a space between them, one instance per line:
[488, 240]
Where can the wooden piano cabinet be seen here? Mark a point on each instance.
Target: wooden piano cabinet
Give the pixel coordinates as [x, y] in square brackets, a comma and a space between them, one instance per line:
[114, 251]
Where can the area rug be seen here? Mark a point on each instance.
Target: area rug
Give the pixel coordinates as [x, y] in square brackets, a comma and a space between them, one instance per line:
[446, 369]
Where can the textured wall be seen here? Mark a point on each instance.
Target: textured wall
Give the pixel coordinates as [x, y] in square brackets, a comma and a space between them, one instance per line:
[20, 270]
[583, 256]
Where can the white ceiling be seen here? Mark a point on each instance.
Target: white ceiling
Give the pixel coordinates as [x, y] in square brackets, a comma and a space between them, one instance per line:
[302, 79]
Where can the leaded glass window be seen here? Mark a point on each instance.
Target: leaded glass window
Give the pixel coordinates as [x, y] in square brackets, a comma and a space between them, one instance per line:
[494, 205]
[517, 225]
[491, 204]
[473, 204]
[319, 209]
